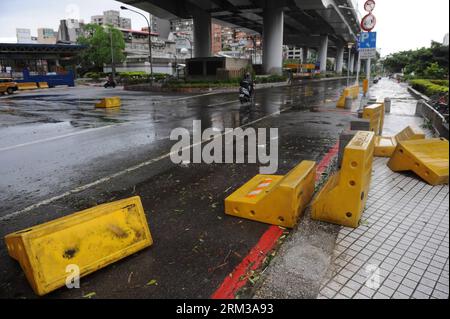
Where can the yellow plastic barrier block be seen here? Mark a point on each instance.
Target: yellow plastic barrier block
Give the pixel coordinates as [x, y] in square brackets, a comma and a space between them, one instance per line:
[343, 198]
[27, 86]
[352, 91]
[90, 239]
[426, 158]
[43, 85]
[274, 199]
[109, 102]
[385, 145]
[375, 114]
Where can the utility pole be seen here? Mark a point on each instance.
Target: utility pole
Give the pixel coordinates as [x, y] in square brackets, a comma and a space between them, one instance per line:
[113, 67]
[150, 58]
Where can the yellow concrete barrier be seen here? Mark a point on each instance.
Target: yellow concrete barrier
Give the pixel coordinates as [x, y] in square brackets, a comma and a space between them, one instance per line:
[365, 86]
[385, 145]
[43, 85]
[426, 158]
[109, 102]
[343, 198]
[90, 239]
[352, 91]
[27, 86]
[375, 114]
[274, 199]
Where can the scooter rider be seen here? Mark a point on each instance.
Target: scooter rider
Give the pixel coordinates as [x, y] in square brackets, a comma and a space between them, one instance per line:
[247, 83]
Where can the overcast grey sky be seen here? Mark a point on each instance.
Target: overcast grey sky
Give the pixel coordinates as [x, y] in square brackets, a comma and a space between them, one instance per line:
[402, 24]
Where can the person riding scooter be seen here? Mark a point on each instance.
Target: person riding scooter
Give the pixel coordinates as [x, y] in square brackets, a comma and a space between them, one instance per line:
[110, 82]
[246, 88]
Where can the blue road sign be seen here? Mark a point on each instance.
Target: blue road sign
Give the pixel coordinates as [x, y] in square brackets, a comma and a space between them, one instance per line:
[368, 40]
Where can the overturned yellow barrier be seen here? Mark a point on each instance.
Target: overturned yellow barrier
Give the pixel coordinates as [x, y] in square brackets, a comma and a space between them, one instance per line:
[375, 114]
[385, 145]
[43, 85]
[343, 198]
[426, 158]
[109, 102]
[90, 239]
[352, 91]
[274, 199]
[27, 86]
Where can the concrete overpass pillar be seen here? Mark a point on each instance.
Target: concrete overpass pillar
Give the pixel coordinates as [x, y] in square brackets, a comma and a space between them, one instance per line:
[304, 55]
[352, 62]
[339, 59]
[273, 40]
[323, 52]
[202, 35]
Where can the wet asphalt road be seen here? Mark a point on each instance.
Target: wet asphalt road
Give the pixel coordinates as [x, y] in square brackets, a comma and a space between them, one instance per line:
[55, 141]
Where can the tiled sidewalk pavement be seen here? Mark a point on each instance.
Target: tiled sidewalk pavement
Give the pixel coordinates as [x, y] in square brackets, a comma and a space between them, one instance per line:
[404, 232]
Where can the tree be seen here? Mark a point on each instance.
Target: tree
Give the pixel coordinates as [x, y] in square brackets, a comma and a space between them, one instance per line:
[429, 62]
[98, 40]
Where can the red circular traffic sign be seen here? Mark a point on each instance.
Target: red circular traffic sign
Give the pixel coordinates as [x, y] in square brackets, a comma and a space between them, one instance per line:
[369, 5]
[368, 22]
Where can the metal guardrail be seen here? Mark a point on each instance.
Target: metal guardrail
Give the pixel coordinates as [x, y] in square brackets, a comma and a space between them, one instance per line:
[439, 123]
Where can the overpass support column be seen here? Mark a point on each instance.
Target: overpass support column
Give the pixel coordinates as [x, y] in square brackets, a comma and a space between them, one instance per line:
[340, 59]
[352, 62]
[304, 55]
[273, 40]
[323, 52]
[202, 35]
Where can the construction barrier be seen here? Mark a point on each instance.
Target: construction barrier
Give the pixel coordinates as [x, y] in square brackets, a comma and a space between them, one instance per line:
[90, 239]
[375, 114]
[108, 102]
[426, 158]
[274, 199]
[343, 198]
[365, 86]
[43, 85]
[385, 145]
[27, 86]
[351, 91]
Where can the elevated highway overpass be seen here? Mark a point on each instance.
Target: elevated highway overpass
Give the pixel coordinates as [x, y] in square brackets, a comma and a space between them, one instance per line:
[327, 25]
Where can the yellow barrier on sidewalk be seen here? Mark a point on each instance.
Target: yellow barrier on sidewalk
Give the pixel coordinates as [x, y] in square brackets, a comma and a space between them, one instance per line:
[343, 198]
[375, 114]
[90, 239]
[43, 85]
[352, 91]
[27, 86]
[109, 102]
[385, 145]
[274, 199]
[426, 158]
[365, 86]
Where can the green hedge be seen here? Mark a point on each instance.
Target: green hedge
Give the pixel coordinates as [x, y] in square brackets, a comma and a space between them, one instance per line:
[95, 75]
[440, 82]
[427, 87]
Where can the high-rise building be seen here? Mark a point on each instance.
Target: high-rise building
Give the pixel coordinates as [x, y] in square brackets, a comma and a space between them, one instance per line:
[46, 36]
[23, 35]
[69, 30]
[216, 39]
[112, 17]
[445, 42]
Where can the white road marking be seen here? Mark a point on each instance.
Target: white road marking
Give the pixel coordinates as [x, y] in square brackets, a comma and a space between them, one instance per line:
[223, 103]
[120, 173]
[8, 148]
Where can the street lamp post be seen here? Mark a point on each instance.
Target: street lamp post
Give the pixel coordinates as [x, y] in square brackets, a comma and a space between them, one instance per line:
[113, 67]
[149, 39]
[350, 45]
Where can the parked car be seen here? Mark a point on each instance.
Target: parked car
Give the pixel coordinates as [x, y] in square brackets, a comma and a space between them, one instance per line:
[7, 85]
